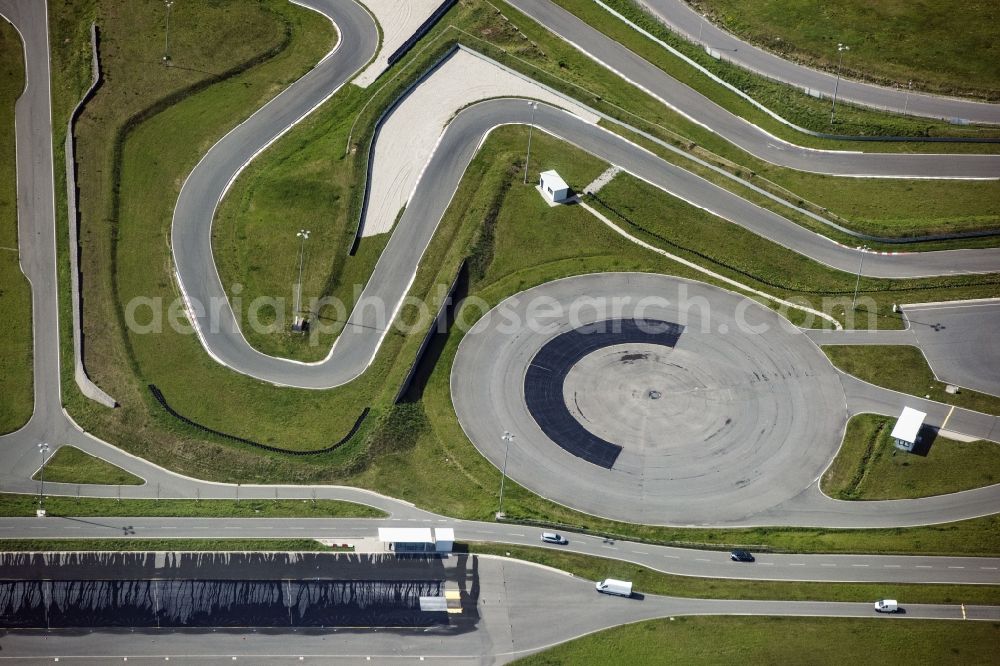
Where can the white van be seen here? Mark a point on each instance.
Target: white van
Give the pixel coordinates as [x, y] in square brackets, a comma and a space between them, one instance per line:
[886, 606]
[622, 588]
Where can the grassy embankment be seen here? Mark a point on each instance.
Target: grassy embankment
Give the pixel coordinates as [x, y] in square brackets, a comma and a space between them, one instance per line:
[903, 368]
[888, 40]
[16, 379]
[649, 581]
[774, 640]
[25, 505]
[71, 465]
[870, 467]
[404, 464]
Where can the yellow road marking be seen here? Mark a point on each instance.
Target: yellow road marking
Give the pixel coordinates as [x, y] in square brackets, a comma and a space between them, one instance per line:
[947, 417]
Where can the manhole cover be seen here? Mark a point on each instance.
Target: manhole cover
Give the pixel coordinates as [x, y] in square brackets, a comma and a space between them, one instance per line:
[654, 395]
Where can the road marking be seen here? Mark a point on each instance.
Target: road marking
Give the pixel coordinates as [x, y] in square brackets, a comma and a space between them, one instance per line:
[765, 564]
[989, 568]
[924, 566]
[516, 534]
[963, 612]
[639, 552]
[947, 417]
[823, 564]
[956, 567]
[797, 564]
[172, 527]
[199, 528]
[859, 565]
[701, 559]
[672, 557]
[893, 566]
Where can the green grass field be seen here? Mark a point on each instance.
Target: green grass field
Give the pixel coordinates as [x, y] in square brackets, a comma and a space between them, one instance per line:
[870, 467]
[647, 581]
[948, 48]
[774, 640]
[25, 505]
[71, 465]
[15, 293]
[903, 368]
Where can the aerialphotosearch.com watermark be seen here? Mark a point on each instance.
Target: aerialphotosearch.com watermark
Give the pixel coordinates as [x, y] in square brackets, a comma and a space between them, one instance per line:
[536, 313]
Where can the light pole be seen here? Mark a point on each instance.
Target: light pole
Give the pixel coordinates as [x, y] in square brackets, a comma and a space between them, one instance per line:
[861, 252]
[531, 126]
[506, 437]
[840, 49]
[906, 103]
[43, 448]
[166, 38]
[297, 322]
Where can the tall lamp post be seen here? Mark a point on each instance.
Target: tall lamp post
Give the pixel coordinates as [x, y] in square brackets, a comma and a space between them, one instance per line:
[43, 448]
[861, 253]
[840, 49]
[506, 437]
[531, 126]
[906, 103]
[298, 322]
[166, 38]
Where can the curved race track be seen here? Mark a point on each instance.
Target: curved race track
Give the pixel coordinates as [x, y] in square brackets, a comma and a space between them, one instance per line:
[722, 413]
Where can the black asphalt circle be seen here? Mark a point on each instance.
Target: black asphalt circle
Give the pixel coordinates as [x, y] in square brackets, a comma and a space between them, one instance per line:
[546, 374]
[728, 415]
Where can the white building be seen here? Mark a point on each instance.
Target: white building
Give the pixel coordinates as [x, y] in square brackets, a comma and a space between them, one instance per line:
[417, 539]
[553, 187]
[906, 432]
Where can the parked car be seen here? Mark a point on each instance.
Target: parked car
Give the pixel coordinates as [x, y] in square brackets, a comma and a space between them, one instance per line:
[741, 556]
[552, 537]
[886, 606]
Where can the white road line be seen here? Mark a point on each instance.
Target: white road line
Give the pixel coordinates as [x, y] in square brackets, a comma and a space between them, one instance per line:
[797, 564]
[859, 565]
[893, 566]
[701, 559]
[827, 565]
[639, 552]
[956, 567]
[924, 566]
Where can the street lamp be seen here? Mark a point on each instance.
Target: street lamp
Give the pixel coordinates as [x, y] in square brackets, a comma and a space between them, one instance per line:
[43, 448]
[166, 38]
[840, 49]
[861, 252]
[298, 322]
[506, 437]
[906, 104]
[531, 126]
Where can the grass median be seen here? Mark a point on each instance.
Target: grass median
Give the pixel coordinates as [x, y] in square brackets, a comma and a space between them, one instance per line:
[16, 378]
[93, 507]
[903, 368]
[71, 465]
[778, 640]
[869, 466]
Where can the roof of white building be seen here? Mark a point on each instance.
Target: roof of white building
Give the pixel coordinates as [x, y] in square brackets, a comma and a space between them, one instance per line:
[554, 180]
[908, 425]
[405, 535]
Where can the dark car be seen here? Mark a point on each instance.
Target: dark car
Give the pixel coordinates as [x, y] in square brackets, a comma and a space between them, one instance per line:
[552, 537]
[741, 556]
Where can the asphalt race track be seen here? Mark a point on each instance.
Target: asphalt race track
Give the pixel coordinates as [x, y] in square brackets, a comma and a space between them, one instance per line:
[732, 416]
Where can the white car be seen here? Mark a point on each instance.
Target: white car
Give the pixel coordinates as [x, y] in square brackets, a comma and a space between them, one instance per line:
[886, 606]
[552, 537]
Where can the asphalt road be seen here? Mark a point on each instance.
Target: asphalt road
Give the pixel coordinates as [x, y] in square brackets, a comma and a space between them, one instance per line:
[368, 323]
[681, 18]
[961, 341]
[747, 136]
[522, 608]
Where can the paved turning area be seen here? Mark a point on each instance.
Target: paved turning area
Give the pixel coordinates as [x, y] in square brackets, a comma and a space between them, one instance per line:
[732, 415]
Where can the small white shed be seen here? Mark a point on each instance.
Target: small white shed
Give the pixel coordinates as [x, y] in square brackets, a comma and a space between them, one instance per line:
[906, 432]
[553, 187]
